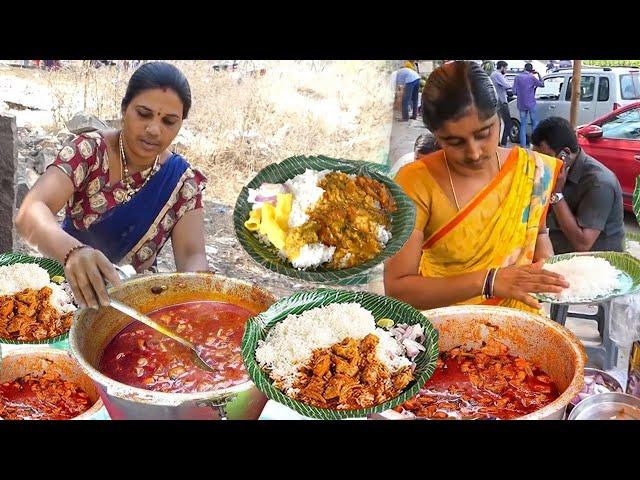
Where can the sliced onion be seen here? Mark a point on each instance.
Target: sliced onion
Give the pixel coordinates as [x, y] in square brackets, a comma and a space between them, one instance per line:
[266, 199]
[582, 396]
[407, 333]
[413, 348]
[601, 389]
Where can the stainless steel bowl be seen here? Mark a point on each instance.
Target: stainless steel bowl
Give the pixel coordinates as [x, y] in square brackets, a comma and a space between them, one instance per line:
[39, 360]
[607, 406]
[611, 383]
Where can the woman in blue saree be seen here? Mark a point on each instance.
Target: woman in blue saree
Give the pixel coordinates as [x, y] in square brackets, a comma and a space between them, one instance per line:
[125, 193]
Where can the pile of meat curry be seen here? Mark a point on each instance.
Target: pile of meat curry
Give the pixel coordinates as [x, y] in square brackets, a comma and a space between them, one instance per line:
[348, 376]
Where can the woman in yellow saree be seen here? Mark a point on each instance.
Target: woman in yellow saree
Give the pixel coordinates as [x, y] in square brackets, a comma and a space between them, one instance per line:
[480, 235]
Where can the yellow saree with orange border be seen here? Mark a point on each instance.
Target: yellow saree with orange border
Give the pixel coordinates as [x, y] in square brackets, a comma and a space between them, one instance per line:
[499, 227]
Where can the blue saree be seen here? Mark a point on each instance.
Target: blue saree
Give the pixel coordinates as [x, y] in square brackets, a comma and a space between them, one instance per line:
[119, 230]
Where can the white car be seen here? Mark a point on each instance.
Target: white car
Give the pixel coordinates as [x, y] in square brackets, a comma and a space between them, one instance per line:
[602, 90]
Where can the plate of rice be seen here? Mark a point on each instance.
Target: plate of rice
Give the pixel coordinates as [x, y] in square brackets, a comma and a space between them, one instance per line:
[36, 304]
[332, 354]
[322, 220]
[632, 243]
[593, 276]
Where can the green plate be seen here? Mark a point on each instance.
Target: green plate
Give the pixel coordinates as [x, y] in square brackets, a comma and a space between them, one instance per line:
[53, 268]
[257, 328]
[636, 199]
[627, 265]
[403, 220]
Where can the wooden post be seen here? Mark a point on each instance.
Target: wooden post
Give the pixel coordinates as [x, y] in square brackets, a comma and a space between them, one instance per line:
[575, 92]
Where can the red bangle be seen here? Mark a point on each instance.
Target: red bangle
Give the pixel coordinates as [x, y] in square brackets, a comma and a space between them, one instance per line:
[77, 247]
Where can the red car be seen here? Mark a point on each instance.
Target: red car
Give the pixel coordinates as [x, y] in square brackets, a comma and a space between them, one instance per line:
[614, 140]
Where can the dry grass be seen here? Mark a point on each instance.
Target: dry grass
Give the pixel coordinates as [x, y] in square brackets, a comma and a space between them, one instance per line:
[236, 127]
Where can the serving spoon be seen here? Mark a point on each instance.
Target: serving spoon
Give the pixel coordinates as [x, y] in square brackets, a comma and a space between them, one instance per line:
[141, 317]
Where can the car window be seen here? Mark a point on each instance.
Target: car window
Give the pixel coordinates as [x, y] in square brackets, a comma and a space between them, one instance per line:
[603, 89]
[551, 89]
[630, 86]
[587, 88]
[624, 125]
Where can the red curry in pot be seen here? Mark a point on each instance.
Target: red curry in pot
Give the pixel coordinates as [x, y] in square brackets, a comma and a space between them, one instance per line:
[485, 383]
[141, 357]
[42, 397]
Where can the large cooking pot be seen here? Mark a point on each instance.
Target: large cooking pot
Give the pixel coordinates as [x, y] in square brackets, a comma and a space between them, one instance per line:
[538, 339]
[92, 331]
[40, 360]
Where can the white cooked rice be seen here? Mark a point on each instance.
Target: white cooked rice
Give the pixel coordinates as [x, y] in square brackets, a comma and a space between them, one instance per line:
[20, 276]
[290, 344]
[313, 255]
[588, 277]
[306, 193]
[17, 277]
[383, 235]
[390, 352]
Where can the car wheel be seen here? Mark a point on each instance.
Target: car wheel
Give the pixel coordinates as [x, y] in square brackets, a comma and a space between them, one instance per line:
[514, 134]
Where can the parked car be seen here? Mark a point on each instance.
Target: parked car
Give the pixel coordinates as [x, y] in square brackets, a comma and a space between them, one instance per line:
[602, 90]
[614, 140]
[510, 76]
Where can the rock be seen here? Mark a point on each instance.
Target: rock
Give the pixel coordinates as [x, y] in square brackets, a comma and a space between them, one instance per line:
[21, 191]
[44, 158]
[83, 122]
[65, 137]
[21, 106]
[31, 177]
[47, 142]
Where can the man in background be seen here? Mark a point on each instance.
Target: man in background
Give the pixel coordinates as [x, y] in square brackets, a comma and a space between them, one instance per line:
[409, 79]
[501, 85]
[586, 212]
[524, 87]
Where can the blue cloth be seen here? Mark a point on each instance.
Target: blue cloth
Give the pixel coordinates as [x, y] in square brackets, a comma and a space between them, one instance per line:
[406, 75]
[410, 96]
[121, 227]
[524, 86]
[531, 112]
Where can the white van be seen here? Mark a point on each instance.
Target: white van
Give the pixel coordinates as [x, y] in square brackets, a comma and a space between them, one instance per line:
[601, 91]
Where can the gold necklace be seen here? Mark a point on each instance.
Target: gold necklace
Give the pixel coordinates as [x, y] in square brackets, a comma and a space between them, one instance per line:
[455, 197]
[127, 179]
